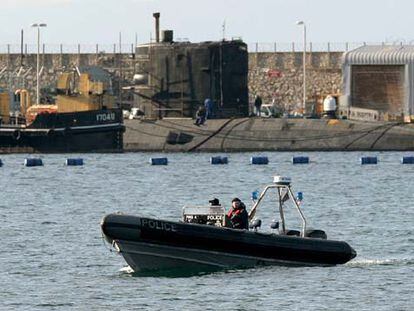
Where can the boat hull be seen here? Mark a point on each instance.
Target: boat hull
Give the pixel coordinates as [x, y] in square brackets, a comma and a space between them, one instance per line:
[148, 256]
[151, 244]
[90, 131]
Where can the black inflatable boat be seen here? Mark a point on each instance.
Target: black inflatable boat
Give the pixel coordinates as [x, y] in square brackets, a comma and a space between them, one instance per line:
[202, 240]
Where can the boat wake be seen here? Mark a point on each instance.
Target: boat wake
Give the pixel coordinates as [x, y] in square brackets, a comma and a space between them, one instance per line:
[381, 262]
[126, 270]
[169, 273]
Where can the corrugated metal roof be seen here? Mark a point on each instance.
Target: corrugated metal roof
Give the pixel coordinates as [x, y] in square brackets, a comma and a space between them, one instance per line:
[380, 55]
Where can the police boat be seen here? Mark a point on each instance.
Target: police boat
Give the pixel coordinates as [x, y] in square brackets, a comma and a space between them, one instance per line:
[203, 239]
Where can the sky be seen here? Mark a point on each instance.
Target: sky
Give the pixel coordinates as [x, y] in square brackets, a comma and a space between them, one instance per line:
[101, 21]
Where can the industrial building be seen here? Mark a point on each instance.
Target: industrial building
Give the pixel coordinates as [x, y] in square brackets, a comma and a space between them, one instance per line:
[379, 83]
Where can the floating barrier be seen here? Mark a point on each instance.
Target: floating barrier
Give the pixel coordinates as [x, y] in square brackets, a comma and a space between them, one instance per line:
[74, 162]
[259, 160]
[404, 160]
[219, 160]
[369, 160]
[300, 160]
[33, 162]
[159, 161]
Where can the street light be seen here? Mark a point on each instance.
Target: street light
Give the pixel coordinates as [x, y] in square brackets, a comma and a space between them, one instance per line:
[38, 25]
[302, 23]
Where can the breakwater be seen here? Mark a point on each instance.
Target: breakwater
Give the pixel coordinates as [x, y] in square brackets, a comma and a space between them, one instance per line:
[275, 75]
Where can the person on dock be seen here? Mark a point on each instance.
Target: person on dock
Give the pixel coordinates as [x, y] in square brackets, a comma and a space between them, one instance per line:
[257, 104]
[208, 105]
[238, 216]
[200, 116]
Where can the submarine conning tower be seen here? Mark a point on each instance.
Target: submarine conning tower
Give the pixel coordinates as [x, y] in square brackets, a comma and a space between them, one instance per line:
[174, 78]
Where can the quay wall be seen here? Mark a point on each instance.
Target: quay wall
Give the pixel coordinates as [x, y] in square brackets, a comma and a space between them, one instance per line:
[275, 75]
[279, 77]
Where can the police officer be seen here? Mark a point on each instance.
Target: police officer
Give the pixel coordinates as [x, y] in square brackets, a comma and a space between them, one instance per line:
[238, 215]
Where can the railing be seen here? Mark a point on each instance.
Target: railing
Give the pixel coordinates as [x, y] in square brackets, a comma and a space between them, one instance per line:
[67, 48]
[259, 47]
[253, 47]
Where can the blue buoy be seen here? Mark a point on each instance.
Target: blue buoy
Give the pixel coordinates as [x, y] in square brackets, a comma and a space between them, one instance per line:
[159, 161]
[1, 163]
[33, 162]
[369, 160]
[259, 160]
[300, 160]
[219, 160]
[407, 160]
[74, 162]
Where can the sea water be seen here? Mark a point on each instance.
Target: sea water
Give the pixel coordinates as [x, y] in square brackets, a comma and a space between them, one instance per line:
[53, 256]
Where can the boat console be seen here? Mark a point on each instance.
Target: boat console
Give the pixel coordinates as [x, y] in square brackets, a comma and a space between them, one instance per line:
[214, 215]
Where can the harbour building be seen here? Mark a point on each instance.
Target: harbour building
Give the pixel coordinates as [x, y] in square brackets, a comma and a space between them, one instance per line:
[378, 83]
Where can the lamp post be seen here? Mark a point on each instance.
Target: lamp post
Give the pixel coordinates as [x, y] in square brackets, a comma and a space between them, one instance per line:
[302, 23]
[38, 25]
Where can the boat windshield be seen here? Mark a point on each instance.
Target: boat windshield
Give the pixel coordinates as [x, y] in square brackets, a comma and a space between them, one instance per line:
[206, 215]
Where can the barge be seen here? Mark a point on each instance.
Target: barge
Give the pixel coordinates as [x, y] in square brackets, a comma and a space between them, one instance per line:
[81, 119]
[86, 131]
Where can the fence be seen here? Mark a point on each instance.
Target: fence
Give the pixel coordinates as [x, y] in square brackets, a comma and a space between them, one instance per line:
[259, 47]
[255, 47]
[67, 48]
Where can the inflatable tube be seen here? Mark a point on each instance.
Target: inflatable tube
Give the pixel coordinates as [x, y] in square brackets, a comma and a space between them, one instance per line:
[51, 133]
[67, 131]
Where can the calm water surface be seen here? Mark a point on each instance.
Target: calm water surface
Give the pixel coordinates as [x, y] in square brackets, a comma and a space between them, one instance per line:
[53, 256]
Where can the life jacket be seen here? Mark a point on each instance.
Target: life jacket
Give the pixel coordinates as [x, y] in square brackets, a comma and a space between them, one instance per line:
[234, 212]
